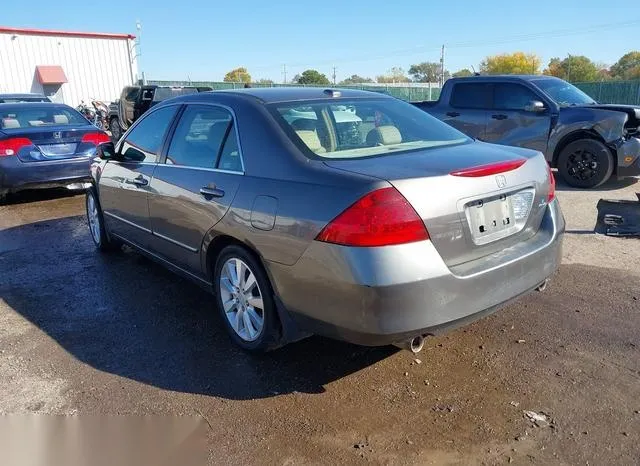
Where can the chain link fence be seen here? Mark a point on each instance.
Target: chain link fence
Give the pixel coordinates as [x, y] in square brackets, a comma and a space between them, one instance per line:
[612, 92]
[408, 93]
[606, 92]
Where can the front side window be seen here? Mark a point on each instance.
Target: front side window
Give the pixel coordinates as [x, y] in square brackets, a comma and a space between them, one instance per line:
[205, 138]
[512, 96]
[144, 142]
[362, 127]
[471, 95]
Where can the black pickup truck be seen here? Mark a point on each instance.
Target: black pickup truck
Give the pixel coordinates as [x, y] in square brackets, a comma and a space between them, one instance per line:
[135, 100]
[587, 142]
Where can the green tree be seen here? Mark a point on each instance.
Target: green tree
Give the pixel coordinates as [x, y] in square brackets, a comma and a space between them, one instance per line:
[628, 67]
[463, 73]
[238, 75]
[576, 68]
[264, 81]
[427, 72]
[511, 63]
[394, 75]
[311, 77]
[355, 79]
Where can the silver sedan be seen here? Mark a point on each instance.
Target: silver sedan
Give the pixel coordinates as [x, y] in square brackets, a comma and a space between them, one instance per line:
[342, 213]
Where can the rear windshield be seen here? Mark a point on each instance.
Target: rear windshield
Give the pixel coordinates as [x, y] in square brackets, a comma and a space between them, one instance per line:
[360, 128]
[29, 116]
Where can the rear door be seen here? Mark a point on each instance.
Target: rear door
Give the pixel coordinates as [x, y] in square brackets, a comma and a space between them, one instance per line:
[192, 188]
[469, 108]
[125, 182]
[510, 124]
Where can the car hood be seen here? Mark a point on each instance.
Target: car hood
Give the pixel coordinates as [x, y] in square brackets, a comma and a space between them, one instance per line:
[632, 111]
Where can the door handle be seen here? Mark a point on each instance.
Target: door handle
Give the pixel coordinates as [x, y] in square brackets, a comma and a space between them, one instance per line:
[453, 114]
[499, 117]
[140, 181]
[208, 191]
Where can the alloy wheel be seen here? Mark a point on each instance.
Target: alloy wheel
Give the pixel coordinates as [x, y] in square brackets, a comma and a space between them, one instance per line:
[582, 164]
[94, 218]
[241, 299]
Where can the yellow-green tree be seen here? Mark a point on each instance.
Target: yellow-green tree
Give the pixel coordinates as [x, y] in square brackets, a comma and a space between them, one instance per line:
[511, 63]
[238, 75]
[576, 68]
[628, 67]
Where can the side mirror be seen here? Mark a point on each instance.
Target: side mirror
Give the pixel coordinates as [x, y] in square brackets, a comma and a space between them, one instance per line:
[535, 106]
[106, 150]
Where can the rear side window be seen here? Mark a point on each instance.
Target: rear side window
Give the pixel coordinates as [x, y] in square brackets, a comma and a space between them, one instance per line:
[144, 142]
[205, 138]
[512, 96]
[471, 95]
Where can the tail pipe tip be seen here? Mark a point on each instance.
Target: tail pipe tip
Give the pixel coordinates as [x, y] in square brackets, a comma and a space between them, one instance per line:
[414, 345]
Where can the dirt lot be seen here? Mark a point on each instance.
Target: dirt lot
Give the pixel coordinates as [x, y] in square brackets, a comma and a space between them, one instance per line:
[83, 333]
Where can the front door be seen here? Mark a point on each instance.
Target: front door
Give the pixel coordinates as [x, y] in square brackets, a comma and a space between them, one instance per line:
[125, 180]
[510, 124]
[192, 188]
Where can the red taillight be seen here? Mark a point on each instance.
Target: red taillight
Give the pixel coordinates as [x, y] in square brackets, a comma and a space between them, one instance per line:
[489, 169]
[380, 218]
[12, 146]
[552, 186]
[95, 138]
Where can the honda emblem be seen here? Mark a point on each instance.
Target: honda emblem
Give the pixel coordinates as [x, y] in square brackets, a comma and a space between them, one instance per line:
[57, 135]
[501, 181]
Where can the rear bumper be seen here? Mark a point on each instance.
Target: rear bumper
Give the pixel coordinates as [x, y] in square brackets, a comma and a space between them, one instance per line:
[628, 158]
[16, 175]
[377, 296]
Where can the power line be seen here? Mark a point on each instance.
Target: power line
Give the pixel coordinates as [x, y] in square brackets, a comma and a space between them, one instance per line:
[551, 34]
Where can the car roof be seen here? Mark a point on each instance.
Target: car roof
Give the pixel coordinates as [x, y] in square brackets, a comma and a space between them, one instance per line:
[34, 104]
[506, 77]
[284, 94]
[24, 95]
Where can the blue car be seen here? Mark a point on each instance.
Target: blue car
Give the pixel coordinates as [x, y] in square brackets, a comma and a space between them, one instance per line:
[44, 145]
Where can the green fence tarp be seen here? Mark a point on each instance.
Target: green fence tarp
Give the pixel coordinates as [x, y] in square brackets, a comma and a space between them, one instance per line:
[606, 92]
[409, 93]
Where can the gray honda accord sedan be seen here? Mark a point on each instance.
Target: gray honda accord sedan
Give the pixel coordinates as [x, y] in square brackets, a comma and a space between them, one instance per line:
[343, 213]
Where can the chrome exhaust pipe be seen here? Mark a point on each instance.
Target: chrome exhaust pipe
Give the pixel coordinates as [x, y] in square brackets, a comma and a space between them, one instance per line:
[414, 345]
[542, 286]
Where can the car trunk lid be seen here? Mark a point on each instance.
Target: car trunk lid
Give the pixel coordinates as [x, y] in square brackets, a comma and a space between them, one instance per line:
[467, 217]
[55, 143]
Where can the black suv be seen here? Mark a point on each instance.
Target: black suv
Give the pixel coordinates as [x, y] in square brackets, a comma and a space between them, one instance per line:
[135, 100]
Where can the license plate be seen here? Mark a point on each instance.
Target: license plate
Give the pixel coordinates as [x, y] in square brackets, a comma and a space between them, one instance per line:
[58, 149]
[492, 219]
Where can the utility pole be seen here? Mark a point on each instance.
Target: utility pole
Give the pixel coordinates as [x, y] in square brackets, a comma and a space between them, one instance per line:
[442, 67]
[334, 75]
[284, 73]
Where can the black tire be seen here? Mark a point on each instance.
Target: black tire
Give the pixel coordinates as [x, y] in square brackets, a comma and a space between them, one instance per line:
[116, 130]
[585, 163]
[100, 237]
[270, 334]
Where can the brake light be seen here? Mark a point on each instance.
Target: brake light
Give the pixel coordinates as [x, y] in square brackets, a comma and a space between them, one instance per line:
[552, 186]
[381, 218]
[489, 169]
[95, 138]
[12, 146]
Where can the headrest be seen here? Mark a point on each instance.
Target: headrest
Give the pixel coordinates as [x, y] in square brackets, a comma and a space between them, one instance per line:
[9, 123]
[61, 119]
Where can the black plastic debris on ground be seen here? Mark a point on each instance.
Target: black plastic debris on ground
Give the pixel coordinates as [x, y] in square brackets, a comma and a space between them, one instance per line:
[619, 217]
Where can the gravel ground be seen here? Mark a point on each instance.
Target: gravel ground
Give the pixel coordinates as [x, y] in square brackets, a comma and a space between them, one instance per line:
[83, 333]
